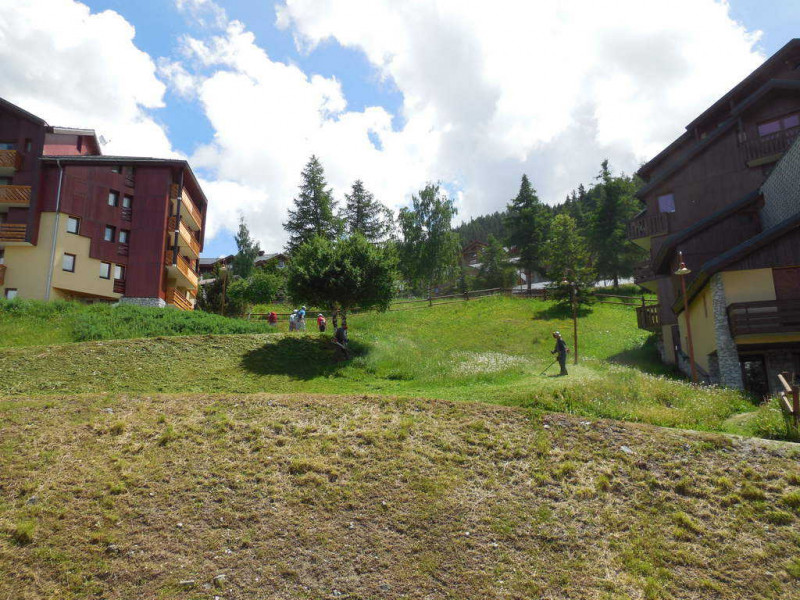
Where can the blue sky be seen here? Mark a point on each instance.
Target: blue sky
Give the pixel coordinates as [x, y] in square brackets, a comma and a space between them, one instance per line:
[394, 93]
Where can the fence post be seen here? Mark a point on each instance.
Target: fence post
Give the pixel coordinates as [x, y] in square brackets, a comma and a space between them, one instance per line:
[796, 405]
[430, 300]
[466, 294]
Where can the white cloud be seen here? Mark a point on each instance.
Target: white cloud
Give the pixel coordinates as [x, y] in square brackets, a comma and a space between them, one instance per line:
[78, 69]
[549, 88]
[205, 13]
[269, 117]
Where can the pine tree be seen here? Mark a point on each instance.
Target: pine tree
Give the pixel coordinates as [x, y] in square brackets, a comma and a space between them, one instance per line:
[527, 224]
[567, 258]
[495, 270]
[247, 251]
[314, 212]
[365, 215]
[614, 206]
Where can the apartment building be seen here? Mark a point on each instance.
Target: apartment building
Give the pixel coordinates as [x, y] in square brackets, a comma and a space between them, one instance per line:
[722, 197]
[75, 224]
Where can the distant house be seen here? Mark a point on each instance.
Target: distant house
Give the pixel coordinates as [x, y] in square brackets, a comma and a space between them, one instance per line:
[471, 253]
[726, 194]
[206, 266]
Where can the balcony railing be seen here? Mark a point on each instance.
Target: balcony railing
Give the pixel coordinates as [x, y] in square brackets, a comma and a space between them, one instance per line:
[186, 237]
[771, 316]
[119, 286]
[648, 317]
[176, 298]
[195, 219]
[771, 145]
[183, 268]
[2, 274]
[643, 272]
[15, 195]
[648, 226]
[13, 232]
[10, 159]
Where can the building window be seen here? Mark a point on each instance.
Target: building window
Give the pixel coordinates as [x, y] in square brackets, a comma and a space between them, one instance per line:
[28, 144]
[119, 272]
[73, 225]
[113, 198]
[11, 293]
[777, 125]
[8, 145]
[109, 233]
[6, 180]
[666, 203]
[127, 201]
[105, 270]
[68, 263]
[124, 236]
[116, 169]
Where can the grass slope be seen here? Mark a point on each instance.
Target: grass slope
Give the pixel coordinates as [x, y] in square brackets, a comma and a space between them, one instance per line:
[492, 350]
[30, 322]
[358, 497]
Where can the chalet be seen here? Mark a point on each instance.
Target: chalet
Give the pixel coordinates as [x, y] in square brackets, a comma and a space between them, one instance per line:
[471, 253]
[78, 225]
[207, 265]
[723, 198]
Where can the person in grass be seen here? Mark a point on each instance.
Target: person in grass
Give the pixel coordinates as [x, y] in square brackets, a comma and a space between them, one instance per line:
[561, 350]
[272, 319]
[321, 323]
[293, 321]
[340, 340]
[301, 319]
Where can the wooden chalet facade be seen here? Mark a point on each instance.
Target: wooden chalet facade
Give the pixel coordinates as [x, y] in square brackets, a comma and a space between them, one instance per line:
[724, 195]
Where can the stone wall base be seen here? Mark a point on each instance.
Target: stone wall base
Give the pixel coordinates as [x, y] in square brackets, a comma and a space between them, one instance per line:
[154, 302]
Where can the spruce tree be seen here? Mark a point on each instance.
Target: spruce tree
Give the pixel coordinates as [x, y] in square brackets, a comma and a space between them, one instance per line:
[247, 251]
[527, 224]
[314, 209]
[365, 215]
[495, 270]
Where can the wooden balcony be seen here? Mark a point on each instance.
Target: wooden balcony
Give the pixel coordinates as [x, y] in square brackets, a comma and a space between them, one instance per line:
[10, 160]
[119, 286]
[771, 316]
[646, 226]
[15, 195]
[768, 148]
[2, 274]
[177, 298]
[193, 217]
[13, 232]
[181, 270]
[648, 317]
[643, 272]
[186, 237]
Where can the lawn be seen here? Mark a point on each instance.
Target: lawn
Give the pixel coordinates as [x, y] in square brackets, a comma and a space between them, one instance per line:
[492, 349]
[265, 496]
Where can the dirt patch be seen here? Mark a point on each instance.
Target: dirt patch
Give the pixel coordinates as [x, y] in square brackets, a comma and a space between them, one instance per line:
[362, 497]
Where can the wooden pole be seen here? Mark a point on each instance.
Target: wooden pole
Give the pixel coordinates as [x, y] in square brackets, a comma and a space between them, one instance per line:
[688, 328]
[575, 320]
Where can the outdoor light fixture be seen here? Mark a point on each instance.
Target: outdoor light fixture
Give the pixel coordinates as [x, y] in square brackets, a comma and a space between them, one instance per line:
[682, 272]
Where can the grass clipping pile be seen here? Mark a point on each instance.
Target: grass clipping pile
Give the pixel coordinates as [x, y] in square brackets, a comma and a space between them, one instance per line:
[336, 497]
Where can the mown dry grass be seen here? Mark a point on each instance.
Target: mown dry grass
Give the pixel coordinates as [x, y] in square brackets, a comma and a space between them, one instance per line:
[360, 497]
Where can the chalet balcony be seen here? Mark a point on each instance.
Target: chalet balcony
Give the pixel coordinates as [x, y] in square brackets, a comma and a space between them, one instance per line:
[648, 317]
[10, 161]
[645, 226]
[187, 239]
[181, 270]
[13, 233]
[2, 274]
[188, 210]
[768, 148]
[16, 196]
[771, 316]
[119, 286]
[178, 299]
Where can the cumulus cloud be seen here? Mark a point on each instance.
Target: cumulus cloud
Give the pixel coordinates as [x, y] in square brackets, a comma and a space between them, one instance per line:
[547, 88]
[205, 13]
[269, 117]
[78, 69]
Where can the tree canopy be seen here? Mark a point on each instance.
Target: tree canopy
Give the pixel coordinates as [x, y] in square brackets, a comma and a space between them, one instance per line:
[429, 249]
[314, 212]
[365, 215]
[526, 223]
[247, 251]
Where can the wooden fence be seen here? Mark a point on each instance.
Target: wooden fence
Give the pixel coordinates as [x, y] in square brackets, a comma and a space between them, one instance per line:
[789, 391]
